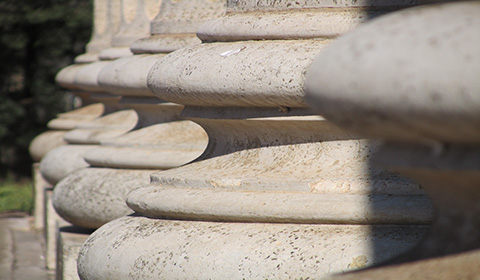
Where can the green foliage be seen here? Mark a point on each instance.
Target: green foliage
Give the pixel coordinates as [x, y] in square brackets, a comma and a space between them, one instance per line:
[16, 196]
[37, 39]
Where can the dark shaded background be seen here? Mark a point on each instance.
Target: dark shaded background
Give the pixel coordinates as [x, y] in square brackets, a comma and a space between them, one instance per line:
[37, 39]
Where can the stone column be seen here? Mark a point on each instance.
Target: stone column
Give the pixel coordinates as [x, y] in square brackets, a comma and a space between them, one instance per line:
[411, 79]
[48, 140]
[279, 192]
[55, 155]
[159, 140]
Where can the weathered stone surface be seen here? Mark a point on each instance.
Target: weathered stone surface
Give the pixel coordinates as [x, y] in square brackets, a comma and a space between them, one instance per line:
[69, 120]
[290, 207]
[139, 247]
[267, 6]
[128, 75]
[425, 76]
[91, 197]
[63, 160]
[425, 102]
[160, 146]
[184, 16]
[291, 24]
[109, 126]
[239, 74]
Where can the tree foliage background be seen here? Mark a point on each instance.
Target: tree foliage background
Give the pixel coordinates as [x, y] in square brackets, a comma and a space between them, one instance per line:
[37, 39]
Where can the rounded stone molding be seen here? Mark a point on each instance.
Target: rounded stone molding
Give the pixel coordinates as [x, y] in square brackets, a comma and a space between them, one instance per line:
[427, 100]
[108, 126]
[44, 143]
[91, 197]
[424, 101]
[240, 74]
[63, 160]
[160, 146]
[156, 248]
[68, 120]
[127, 76]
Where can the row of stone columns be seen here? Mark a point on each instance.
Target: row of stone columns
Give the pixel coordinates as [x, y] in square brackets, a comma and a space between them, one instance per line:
[275, 190]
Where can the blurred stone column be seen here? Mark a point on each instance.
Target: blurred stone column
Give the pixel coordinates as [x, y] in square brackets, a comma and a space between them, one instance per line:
[279, 192]
[43, 143]
[411, 79]
[96, 103]
[156, 139]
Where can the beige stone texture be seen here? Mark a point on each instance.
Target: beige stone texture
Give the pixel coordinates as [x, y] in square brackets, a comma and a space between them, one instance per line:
[147, 136]
[106, 20]
[109, 126]
[239, 74]
[128, 76]
[184, 16]
[435, 95]
[139, 247]
[278, 192]
[135, 20]
[159, 146]
[175, 25]
[425, 102]
[63, 160]
[68, 120]
[91, 197]
[45, 142]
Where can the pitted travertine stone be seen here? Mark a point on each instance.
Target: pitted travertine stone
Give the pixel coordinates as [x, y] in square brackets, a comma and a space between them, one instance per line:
[158, 140]
[290, 159]
[159, 146]
[424, 96]
[254, 5]
[63, 160]
[284, 25]
[184, 16]
[109, 126]
[277, 207]
[180, 249]
[425, 102]
[163, 43]
[175, 25]
[239, 74]
[91, 197]
[262, 141]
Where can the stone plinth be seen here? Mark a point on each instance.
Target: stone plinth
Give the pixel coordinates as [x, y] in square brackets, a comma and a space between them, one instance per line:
[410, 78]
[278, 192]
